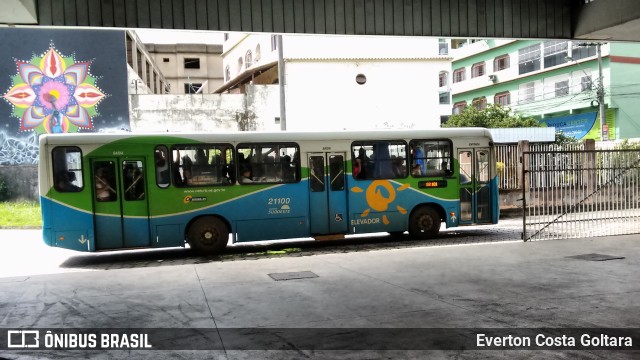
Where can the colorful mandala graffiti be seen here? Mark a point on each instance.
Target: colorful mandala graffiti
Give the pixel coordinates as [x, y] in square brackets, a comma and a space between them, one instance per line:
[54, 94]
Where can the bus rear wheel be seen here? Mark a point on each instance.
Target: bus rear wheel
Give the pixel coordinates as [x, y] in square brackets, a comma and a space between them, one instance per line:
[424, 223]
[208, 235]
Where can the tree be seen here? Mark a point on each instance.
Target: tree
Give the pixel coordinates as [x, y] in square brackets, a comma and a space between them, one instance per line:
[562, 139]
[493, 116]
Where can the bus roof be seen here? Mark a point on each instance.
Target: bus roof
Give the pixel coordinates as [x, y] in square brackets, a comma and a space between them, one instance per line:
[249, 136]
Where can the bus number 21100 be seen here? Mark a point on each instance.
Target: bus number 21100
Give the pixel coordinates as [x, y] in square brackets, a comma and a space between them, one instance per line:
[279, 201]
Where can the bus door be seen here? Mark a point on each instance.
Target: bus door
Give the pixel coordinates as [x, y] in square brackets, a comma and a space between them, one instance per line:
[121, 213]
[475, 190]
[327, 193]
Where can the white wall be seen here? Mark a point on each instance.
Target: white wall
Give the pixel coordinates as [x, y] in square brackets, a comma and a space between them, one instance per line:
[236, 47]
[397, 94]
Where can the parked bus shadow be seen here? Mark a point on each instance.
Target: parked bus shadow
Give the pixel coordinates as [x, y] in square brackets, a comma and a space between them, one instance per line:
[290, 248]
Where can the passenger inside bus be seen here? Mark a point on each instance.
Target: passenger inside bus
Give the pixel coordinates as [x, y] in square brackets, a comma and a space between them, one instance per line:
[416, 170]
[382, 168]
[187, 163]
[399, 168]
[66, 181]
[104, 188]
[200, 157]
[418, 158]
[361, 164]
[245, 176]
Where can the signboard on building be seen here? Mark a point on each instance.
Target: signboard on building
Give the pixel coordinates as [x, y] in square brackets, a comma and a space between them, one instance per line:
[584, 125]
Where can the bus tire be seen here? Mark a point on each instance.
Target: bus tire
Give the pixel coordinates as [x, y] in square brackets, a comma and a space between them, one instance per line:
[208, 235]
[424, 223]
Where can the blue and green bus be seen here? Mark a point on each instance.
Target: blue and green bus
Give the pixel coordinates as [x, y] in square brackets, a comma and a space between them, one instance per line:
[103, 192]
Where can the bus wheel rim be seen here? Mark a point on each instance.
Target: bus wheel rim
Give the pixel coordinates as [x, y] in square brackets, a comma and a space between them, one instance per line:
[208, 237]
[425, 223]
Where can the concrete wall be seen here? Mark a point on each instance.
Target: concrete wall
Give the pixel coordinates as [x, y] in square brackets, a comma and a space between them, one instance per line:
[22, 181]
[207, 112]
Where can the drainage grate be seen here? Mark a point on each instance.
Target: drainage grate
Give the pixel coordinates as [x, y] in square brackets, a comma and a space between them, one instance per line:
[293, 275]
[596, 257]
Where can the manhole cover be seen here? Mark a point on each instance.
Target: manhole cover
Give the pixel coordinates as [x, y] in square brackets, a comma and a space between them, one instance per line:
[596, 257]
[293, 275]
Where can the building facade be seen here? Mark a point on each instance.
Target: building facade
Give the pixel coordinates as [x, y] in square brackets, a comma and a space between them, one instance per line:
[188, 68]
[144, 75]
[560, 83]
[341, 82]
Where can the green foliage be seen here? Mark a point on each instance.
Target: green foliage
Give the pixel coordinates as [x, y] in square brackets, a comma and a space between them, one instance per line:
[20, 214]
[627, 145]
[493, 116]
[562, 139]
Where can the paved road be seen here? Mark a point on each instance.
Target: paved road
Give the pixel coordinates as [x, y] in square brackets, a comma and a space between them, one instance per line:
[22, 252]
[483, 277]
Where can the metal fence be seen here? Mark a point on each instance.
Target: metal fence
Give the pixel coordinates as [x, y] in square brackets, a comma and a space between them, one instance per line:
[508, 157]
[577, 192]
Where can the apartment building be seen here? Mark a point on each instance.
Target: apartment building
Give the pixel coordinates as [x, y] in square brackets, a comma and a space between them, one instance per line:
[558, 82]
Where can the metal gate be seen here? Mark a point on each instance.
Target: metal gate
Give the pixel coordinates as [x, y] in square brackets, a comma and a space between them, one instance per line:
[580, 193]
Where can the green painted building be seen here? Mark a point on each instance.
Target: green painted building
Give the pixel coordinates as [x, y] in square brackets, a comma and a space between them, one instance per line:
[557, 82]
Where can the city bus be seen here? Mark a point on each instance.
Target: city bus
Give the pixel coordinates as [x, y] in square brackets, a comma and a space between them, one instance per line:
[119, 191]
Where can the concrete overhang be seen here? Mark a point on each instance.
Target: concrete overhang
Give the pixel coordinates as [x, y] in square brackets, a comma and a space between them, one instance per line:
[244, 77]
[614, 20]
[19, 12]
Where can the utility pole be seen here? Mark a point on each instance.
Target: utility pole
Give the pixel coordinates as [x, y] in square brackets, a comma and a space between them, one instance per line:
[604, 128]
[281, 77]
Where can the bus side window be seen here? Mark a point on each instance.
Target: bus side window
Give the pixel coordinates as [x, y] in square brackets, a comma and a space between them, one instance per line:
[431, 158]
[269, 162]
[161, 156]
[67, 169]
[374, 159]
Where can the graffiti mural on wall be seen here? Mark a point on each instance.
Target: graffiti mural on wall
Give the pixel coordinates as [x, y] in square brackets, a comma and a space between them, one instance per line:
[53, 93]
[59, 81]
[15, 151]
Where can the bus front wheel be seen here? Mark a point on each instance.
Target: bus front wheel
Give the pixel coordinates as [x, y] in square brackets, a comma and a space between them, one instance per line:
[424, 223]
[208, 235]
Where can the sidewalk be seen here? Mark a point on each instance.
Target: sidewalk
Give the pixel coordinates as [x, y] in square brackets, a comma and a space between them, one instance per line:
[498, 285]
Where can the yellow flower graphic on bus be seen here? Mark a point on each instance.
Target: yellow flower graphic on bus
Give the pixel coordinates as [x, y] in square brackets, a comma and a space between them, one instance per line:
[379, 195]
